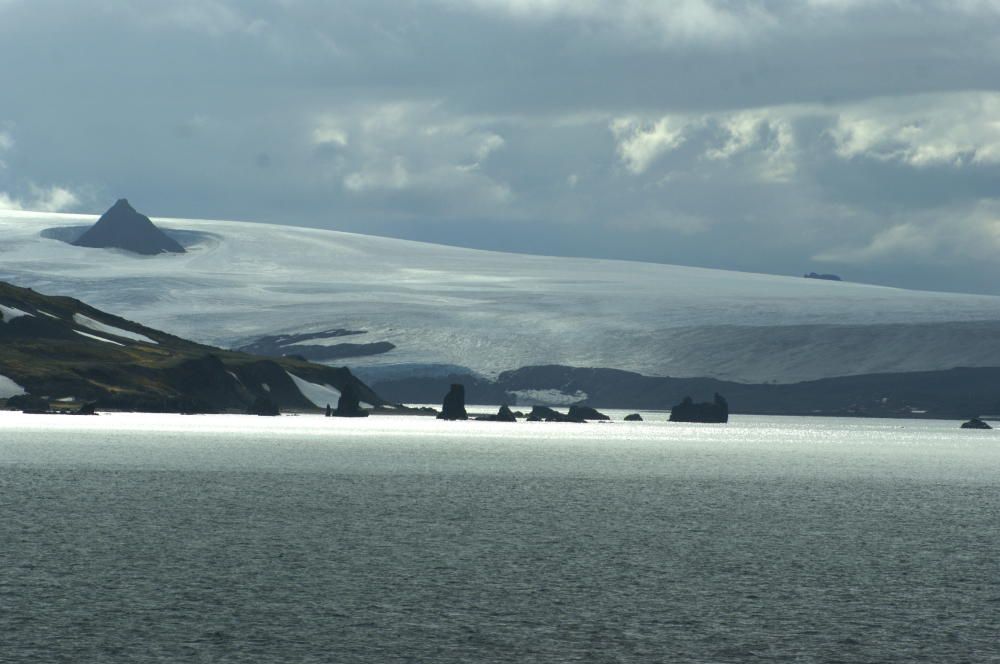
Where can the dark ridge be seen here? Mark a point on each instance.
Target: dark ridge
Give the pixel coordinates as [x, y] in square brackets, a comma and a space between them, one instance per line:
[121, 227]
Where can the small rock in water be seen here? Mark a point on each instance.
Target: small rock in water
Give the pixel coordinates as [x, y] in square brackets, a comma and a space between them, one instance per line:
[975, 423]
[503, 415]
[634, 417]
[586, 413]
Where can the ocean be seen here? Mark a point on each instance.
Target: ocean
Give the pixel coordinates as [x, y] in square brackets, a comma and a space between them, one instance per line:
[167, 538]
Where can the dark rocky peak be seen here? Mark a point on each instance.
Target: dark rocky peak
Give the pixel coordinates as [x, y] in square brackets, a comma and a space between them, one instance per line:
[121, 227]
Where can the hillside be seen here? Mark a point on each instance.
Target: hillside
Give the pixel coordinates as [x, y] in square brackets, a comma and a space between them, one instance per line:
[66, 351]
[391, 308]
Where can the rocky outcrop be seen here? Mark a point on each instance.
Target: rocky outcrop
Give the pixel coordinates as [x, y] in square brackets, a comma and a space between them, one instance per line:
[503, 415]
[975, 423]
[826, 277]
[87, 409]
[586, 413]
[27, 403]
[546, 414]
[264, 406]
[453, 407]
[349, 404]
[634, 417]
[121, 227]
[715, 411]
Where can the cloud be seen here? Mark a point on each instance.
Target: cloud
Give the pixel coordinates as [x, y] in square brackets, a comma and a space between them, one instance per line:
[658, 22]
[211, 17]
[760, 135]
[763, 138]
[641, 143]
[971, 234]
[411, 146]
[41, 199]
[44, 199]
[923, 130]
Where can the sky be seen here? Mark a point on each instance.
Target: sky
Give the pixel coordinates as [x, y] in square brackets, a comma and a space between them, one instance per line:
[855, 137]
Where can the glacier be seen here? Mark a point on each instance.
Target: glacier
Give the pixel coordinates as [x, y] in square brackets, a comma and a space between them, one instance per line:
[491, 311]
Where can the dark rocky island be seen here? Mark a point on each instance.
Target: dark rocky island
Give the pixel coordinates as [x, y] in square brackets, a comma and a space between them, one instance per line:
[121, 227]
[546, 414]
[976, 423]
[634, 417]
[586, 413]
[453, 407]
[715, 411]
[825, 277]
[503, 415]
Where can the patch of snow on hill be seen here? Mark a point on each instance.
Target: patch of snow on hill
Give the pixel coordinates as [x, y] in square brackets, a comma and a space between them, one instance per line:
[94, 336]
[320, 395]
[10, 313]
[8, 388]
[98, 326]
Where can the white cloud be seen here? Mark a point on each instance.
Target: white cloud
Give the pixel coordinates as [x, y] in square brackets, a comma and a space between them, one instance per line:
[767, 133]
[939, 129]
[952, 129]
[967, 235]
[642, 143]
[212, 17]
[411, 147]
[764, 138]
[652, 20]
[41, 199]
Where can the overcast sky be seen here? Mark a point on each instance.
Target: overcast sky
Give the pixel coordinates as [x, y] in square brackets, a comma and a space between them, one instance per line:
[782, 136]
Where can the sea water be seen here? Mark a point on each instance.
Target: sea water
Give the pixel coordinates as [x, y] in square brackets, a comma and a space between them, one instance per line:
[148, 538]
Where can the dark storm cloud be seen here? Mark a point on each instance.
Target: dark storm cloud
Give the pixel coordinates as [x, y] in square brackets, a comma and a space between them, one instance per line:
[777, 136]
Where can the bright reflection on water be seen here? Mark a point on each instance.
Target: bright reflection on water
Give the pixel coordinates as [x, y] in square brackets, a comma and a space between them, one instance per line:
[138, 538]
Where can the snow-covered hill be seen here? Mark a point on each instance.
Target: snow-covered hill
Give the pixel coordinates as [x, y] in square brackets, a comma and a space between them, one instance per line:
[494, 311]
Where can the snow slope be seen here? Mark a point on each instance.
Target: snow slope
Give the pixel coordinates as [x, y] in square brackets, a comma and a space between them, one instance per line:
[494, 311]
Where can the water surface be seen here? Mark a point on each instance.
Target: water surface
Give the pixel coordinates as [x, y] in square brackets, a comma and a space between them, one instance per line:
[142, 538]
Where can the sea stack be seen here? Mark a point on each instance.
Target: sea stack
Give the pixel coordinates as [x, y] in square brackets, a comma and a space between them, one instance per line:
[121, 227]
[349, 404]
[453, 407]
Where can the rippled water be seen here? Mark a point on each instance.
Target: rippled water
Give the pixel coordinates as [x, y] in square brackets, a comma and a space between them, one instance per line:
[136, 538]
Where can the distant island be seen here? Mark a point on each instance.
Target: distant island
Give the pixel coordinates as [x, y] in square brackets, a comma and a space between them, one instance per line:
[715, 411]
[827, 277]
